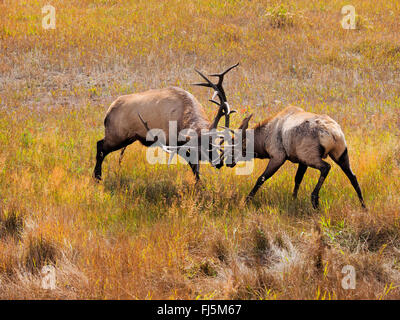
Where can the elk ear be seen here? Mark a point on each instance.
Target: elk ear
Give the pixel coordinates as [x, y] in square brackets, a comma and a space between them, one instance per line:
[245, 123]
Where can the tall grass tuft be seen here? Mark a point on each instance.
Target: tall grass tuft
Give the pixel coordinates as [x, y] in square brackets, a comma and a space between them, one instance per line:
[11, 222]
[40, 252]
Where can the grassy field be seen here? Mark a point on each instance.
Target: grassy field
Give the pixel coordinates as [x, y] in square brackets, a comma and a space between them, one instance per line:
[146, 231]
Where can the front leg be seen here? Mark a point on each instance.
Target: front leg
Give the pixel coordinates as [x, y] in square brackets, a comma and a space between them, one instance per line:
[273, 165]
[194, 165]
[196, 171]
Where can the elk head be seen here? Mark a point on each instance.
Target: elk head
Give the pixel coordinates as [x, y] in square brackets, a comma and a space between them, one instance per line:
[237, 149]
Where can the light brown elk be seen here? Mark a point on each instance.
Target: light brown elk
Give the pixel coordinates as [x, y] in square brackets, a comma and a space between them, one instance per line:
[130, 117]
[300, 137]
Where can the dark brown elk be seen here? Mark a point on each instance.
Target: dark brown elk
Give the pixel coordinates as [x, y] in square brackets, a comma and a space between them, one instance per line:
[130, 117]
[300, 137]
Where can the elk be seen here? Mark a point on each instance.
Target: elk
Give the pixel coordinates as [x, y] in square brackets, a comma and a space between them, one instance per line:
[300, 137]
[130, 117]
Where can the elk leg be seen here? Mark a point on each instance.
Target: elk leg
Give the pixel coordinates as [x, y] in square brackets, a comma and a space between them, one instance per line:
[101, 154]
[324, 167]
[121, 156]
[194, 166]
[301, 170]
[344, 164]
[273, 166]
[196, 170]
[104, 149]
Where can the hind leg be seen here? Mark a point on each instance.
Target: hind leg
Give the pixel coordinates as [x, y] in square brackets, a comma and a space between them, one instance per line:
[324, 168]
[311, 156]
[103, 149]
[101, 154]
[301, 170]
[344, 164]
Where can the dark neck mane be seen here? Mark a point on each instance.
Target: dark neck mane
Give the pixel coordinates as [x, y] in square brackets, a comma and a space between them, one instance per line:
[262, 123]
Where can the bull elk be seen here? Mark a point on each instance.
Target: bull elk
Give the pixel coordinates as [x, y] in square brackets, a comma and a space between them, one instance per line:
[130, 117]
[300, 137]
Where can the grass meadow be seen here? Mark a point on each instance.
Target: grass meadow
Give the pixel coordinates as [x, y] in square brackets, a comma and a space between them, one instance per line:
[147, 231]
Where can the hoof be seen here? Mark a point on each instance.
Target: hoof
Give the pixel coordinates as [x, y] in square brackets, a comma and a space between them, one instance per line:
[219, 166]
[364, 206]
[315, 201]
[97, 177]
[248, 200]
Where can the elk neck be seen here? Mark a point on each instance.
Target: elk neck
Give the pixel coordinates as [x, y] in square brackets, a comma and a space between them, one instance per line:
[260, 137]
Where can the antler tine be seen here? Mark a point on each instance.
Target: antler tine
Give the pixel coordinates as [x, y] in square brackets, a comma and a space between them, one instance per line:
[201, 84]
[147, 127]
[208, 84]
[216, 102]
[232, 131]
[144, 122]
[222, 74]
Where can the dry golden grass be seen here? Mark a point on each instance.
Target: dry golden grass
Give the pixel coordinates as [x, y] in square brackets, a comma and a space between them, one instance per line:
[146, 232]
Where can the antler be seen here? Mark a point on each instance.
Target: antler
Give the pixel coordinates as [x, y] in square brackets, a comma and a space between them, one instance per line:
[224, 108]
[231, 147]
[169, 149]
[221, 78]
[172, 150]
[146, 126]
